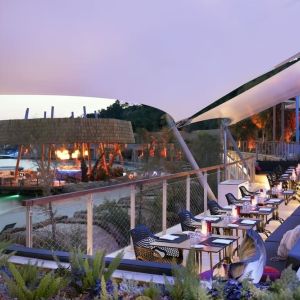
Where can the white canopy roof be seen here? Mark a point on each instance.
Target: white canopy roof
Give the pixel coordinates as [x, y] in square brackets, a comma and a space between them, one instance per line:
[175, 55]
[263, 92]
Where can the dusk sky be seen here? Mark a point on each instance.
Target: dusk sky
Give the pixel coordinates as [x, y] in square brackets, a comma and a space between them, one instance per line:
[176, 55]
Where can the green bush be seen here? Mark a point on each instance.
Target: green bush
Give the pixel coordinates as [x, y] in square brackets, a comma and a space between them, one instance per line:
[28, 283]
[86, 273]
[186, 284]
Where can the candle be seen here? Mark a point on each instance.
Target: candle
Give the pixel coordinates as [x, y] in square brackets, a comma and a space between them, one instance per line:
[204, 230]
[234, 212]
[254, 201]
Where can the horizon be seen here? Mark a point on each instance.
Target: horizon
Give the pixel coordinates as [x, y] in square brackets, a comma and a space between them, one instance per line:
[16, 105]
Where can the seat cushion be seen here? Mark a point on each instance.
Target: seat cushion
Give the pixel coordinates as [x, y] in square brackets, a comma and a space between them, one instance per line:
[270, 273]
[296, 212]
[288, 241]
[206, 276]
[271, 248]
[288, 224]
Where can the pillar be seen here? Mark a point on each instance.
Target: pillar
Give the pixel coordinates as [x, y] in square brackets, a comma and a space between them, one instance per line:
[282, 121]
[274, 123]
[297, 119]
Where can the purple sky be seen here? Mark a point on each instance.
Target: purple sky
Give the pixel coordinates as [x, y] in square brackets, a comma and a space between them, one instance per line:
[175, 55]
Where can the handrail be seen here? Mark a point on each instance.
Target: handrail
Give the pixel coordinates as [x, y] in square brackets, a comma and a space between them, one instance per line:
[63, 197]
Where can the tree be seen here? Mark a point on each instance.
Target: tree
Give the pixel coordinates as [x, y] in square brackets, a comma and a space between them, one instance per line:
[140, 116]
[46, 177]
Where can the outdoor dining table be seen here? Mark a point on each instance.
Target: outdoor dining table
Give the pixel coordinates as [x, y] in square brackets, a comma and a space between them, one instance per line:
[261, 212]
[288, 195]
[274, 202]
[211, 244]
[230, 224]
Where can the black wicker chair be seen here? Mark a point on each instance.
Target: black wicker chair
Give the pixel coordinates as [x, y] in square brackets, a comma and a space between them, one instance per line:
[142, 238]
[231, 200]
[215, 208]
[8, 227]
[186, 220]
[246, 192]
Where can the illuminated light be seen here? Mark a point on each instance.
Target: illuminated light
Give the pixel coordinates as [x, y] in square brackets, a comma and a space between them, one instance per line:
[254, 201]
[62, 154]
[204, 229]
[251, 143]
[151, 152]
[75, 154]
[14, 196]
[234, 212]
[86, 153]
[130, 176]
[258, 121]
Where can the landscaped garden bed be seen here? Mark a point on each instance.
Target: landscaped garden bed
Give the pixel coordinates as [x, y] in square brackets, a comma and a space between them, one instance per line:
[89, 279]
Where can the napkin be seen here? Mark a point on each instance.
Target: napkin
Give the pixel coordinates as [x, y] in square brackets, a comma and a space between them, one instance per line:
[273, 200]
[233, 225]
[265, 209]
[197, 246]
[227, 207]
[222, 241]
[211, 219]
[288, 192]
[248, 222]
[169, 237]
[246, 198]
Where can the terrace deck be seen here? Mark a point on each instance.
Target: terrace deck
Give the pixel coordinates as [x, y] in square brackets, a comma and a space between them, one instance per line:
[284, 211]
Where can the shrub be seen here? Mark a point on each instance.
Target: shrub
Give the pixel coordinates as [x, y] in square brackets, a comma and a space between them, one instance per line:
[90, 274]
[186, 284]
[27, 283]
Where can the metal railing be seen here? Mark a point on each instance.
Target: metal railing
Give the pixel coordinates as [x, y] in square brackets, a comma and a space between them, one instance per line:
[269, 149]
[279, 149]
[102, 217]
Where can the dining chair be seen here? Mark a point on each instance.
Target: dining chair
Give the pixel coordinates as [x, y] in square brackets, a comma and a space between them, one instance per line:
[186, 220]
[231, 200]
[142, 238]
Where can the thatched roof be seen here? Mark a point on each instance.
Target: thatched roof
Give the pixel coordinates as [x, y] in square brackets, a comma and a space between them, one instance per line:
[65, 130]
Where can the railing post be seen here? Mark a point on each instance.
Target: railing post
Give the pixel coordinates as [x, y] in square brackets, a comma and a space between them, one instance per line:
[252, 170]
[132, 206]
[205, 192]
[29, 226]
[164, 207]
[188, 192]
[89, 224]
[132, 209]
[257, 150]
